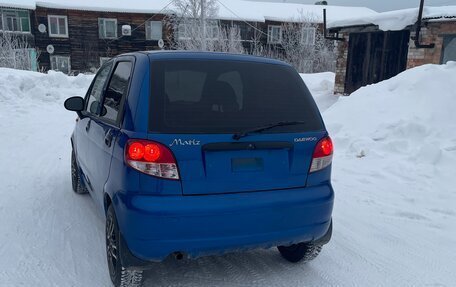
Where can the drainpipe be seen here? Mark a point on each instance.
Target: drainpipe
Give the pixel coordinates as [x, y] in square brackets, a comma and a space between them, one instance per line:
[418, 30]
[325, 31]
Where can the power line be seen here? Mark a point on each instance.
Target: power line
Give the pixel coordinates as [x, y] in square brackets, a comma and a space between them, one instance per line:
[240, 18]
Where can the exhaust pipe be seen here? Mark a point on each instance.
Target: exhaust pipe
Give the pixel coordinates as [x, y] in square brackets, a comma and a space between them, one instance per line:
[178, 255]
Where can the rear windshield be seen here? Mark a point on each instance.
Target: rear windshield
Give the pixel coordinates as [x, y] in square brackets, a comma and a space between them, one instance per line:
[209, 96]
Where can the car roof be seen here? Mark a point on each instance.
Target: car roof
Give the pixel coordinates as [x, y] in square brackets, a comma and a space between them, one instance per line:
[196, 55]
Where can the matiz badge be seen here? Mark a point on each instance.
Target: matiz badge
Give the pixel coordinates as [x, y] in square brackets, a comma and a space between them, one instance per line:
[191, 142]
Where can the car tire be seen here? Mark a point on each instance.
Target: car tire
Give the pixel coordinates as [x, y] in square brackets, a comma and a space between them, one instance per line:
[78, 186]
[300, 252]
[121, 276]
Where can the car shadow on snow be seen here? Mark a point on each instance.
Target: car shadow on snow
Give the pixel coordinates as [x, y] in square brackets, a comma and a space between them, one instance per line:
[253, 268]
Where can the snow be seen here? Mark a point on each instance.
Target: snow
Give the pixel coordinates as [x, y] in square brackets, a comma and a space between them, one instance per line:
[396, 20]
[228, 9]
[393, 173]
[20, 4]
[283, 12]
[322, 87]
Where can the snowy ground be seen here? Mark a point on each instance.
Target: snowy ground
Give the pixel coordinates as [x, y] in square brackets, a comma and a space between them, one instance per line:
[394, 175]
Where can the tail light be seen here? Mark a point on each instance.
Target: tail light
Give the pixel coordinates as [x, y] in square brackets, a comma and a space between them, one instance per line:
[151, 158]
[322, 156]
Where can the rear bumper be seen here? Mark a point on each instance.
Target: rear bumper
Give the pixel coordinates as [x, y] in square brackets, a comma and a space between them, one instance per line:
[155, 226]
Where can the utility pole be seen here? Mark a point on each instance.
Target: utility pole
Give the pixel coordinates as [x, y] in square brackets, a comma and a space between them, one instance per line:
[203, 26]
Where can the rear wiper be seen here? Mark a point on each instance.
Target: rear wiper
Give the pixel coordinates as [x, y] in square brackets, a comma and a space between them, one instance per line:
[240, 135]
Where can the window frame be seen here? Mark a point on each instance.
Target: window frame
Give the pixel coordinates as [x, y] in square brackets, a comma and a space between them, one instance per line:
[120, 113]
[61, 56]
[304, 33]
[59, 35]
[103, 35]
[19, 18]
[270, 39]
[181, 25]
[113, 63]
[210, 36]
[157, 120]
[149, 30]
[213, 27]
[444, 37]
[85, 111]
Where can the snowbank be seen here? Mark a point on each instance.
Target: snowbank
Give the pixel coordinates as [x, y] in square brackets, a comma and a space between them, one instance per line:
[395, 20]
[24, 86]
[394, 175]
[321, 86]
[410, 117]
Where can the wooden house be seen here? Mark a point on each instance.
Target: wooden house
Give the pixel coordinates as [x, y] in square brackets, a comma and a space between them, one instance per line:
[75, 37]
[16, 26]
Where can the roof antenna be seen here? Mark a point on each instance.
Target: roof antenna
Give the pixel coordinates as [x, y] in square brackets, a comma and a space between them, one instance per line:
[418, 30]
[325, 30]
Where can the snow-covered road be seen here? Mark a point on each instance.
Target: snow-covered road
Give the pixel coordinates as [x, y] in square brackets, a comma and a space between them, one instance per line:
[394, 175]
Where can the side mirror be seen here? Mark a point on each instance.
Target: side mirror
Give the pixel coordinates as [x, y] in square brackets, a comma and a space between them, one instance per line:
[74, 104]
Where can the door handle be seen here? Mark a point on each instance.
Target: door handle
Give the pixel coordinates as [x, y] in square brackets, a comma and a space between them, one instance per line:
[108, 138]
[88, 125]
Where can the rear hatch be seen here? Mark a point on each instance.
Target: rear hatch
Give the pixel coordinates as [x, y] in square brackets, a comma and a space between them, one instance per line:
[198, 105]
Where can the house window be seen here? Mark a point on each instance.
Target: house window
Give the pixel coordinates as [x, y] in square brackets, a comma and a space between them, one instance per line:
[107, 28]
[58, 26]
[308, 36]
[14, 20]
[104, 60]
[274, 34]
[212, 31]
[449, 49]
[190, 30]
[183, 31]
[61, 63]
[154, 30]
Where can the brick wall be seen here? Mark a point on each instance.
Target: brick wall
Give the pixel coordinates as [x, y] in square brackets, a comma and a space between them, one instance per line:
[432, 33]
[341, 65]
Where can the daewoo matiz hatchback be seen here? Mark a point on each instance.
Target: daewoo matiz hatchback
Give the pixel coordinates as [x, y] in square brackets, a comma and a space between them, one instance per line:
[191, 154]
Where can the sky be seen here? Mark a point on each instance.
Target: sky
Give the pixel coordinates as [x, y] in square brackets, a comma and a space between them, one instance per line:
[380, 6]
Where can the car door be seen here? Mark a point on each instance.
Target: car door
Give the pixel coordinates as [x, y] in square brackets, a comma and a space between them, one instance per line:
[105, 127]
[92, 100]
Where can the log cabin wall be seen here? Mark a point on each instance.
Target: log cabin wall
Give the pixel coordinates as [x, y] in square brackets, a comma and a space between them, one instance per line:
[83, 44]
[85, 48]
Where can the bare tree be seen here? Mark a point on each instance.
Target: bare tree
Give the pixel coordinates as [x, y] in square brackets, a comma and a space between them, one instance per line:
[305, 47]
[229, 40]
[191, 9]
[325, 56]
[188, 29]
[16, 53]
[258, 48]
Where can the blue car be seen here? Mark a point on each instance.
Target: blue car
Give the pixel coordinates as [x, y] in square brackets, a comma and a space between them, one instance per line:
[189, 154]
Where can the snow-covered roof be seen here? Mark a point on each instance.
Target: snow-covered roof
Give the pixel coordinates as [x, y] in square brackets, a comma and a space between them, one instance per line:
[228, 9]
[396, 20]
[282, 12]
[22, 4]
